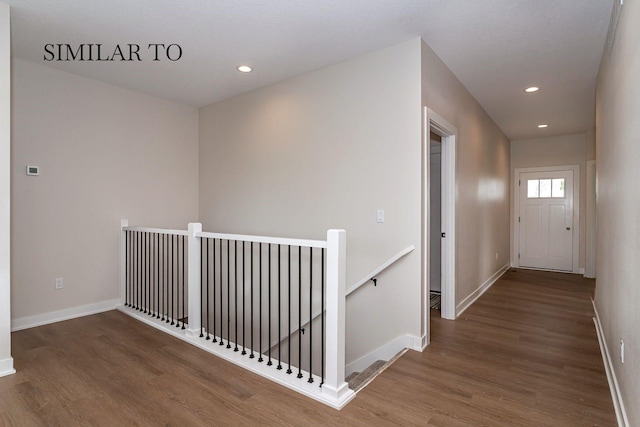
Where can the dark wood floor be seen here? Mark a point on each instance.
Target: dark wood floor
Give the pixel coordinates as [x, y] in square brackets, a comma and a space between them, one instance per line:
[525, 354]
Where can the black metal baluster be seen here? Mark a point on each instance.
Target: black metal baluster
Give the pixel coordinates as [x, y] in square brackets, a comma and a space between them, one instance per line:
[300, 331]
[228, 293]
[244, 318]
[126, 268]
[260, 299]
[130, 267]
[147, 270]
[310, 380]
[148, 261]
[143, 266]
[139, 269]
[183, 277]
[213, 291]
[207, 284]
[151, 272]
[269, 363]
[170, 280]
[176, 316]
[134, 269]
[289, 314]
[279, 315]
[158, 276]
[174, 281]
[165, 267]
[221, 300]
[235, 299]
[322, 316]
[202, 283]
[251, 356]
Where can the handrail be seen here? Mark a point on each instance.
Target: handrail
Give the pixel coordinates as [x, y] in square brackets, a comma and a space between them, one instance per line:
[355, 287]
[264, 239]
[155, 230]
[380, 269]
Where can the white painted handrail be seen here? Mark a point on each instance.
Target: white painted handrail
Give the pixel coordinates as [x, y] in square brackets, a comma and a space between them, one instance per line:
[264, 239]
[380, 269]
[156, 230]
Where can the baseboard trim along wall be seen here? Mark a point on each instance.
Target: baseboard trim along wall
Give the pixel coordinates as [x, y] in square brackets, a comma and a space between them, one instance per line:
[466, 303]
[385, 352]
[6, 367]
[616, 396]
[27, 322]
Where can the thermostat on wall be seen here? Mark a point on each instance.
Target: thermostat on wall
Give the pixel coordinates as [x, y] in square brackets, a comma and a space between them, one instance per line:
[33, 170]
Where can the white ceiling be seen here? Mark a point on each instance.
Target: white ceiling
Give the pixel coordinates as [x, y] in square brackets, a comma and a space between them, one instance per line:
[495, 47]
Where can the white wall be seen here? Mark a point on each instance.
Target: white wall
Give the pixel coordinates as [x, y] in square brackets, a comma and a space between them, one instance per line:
[105, 153]
[482, 176]
[618, 203]
[555, 151]
[326, 150]
[6, 362]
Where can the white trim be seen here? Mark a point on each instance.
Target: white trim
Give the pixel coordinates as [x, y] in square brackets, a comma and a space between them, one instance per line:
[591, 214]
[6, 367]
[420, 343]
[436, 123]
[468, 301]
[311, 390]
[265, 239]
[380, 269]
[156, 230]
[385, 352]
[576, 212]
[123, 260]
[60, 315]
[616, 396]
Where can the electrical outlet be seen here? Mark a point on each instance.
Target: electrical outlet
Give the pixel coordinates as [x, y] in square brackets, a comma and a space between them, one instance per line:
[621, 351]
[380, 216]
[59, 283]
[496, 256]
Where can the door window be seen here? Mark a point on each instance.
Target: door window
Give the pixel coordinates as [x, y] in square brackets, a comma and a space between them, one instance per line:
[545, 188]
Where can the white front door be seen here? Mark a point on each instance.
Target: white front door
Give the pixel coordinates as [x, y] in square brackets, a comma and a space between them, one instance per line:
[546, 220]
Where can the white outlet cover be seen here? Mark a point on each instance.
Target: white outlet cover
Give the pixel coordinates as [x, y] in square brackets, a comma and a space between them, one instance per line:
[380, 215]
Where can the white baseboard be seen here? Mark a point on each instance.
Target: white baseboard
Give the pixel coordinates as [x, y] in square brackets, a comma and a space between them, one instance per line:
[60, 315]
[385, 352]
[420, 343]
[6, 367]
[466, 303]
[616, 396]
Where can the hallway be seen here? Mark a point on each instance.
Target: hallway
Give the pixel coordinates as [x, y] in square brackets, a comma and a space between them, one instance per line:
[524, 354]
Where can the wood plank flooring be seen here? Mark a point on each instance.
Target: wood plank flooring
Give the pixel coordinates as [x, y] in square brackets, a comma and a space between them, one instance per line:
[525, 354]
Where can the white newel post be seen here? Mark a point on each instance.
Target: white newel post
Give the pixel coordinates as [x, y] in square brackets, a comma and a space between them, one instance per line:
[193, 274]
[334, 384]
[123, 260]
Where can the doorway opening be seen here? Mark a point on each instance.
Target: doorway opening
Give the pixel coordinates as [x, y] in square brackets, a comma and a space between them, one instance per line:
[438, 229]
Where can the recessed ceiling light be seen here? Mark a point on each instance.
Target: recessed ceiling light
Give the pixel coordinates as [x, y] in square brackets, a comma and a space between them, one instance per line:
[532, 89]
[542, 126]
[244, 69]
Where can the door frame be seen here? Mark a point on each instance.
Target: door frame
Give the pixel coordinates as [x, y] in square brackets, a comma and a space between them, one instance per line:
[515, 261]
[433, 122]
[590, 235]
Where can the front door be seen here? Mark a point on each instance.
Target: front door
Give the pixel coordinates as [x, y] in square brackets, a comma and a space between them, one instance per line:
[546, 220]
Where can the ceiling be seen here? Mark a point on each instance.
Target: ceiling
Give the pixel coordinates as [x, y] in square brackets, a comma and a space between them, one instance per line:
[497, 48]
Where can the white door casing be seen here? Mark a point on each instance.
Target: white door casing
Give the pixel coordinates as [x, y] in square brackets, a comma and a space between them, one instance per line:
[437, 124]
[546, 220]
